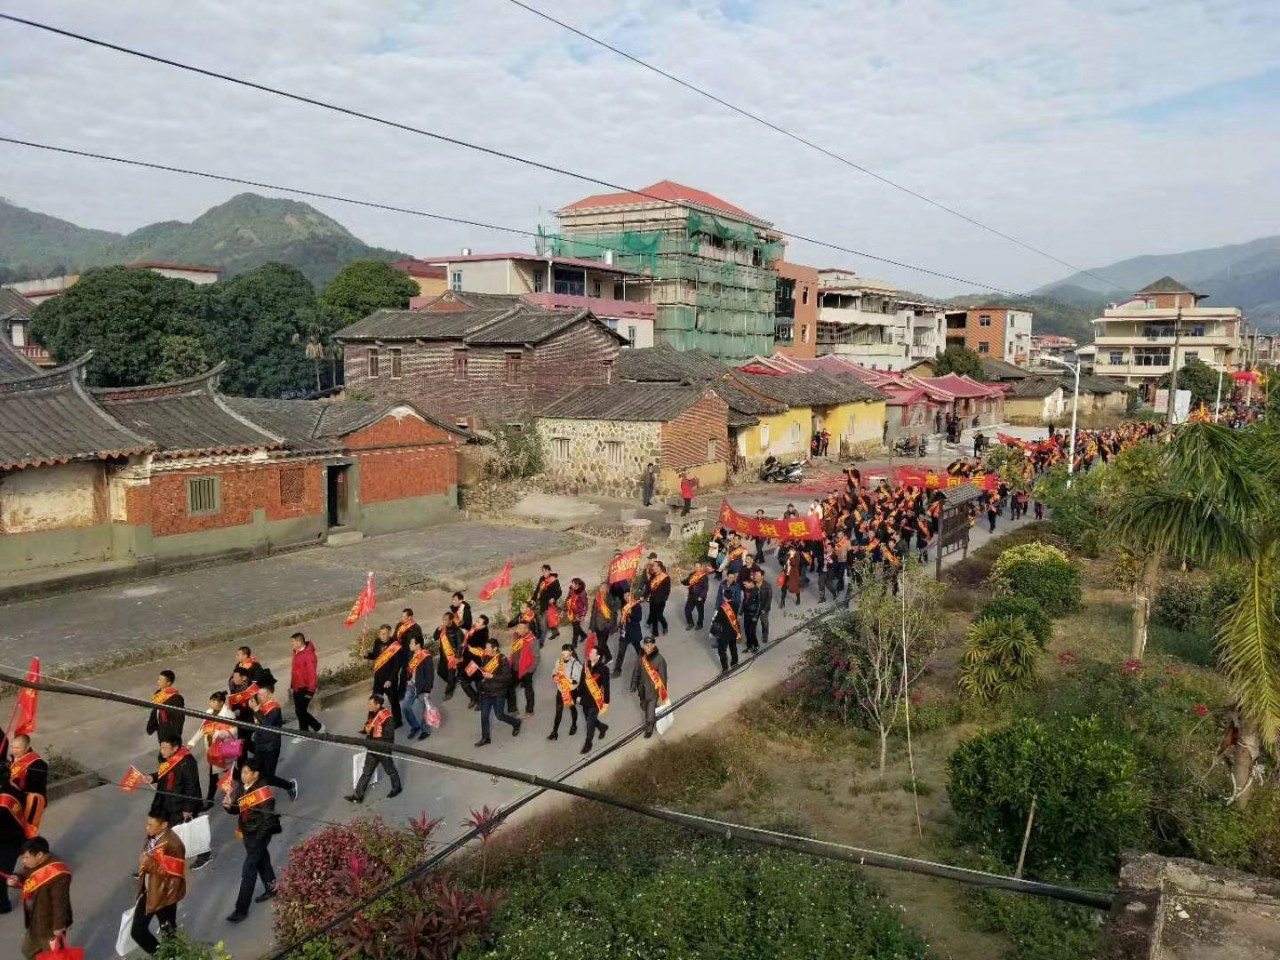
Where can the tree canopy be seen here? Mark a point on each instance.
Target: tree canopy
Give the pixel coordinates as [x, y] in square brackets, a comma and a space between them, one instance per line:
[959, 360]
[360, 288]
[1201, 379]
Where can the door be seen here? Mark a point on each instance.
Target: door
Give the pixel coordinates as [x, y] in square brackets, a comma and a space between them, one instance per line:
[336, 482]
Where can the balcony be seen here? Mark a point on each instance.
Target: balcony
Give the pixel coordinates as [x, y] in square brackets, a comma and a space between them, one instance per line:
[850, 317]
[36, 354]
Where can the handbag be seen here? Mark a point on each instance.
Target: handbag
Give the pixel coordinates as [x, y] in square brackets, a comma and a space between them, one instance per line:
[124, 940]
[431, 715]
[553, 616]
[357, 767]
[61, 951]
[194, 835]
[782, 580]
[222, 753]
[665, 717]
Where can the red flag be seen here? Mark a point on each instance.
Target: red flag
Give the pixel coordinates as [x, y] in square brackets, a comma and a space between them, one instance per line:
[501, 582]
[589, 646]
[364, 604]
[133, 780]
[23, 719]
[625, 565]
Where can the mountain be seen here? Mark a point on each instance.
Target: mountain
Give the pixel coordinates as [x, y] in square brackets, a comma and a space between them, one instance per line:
[245, 232]
[1245, 275]
[1067, 315]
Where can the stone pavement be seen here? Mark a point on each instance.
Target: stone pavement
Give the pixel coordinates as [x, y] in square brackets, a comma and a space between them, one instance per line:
[78, 629]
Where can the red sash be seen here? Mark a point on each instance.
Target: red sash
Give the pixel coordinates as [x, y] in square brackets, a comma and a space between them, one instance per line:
[492, 665]
[178, 756]
[18, 769]
[566, 688]
[521, 655]
[374, 727]
[446, 647]
[267, 706]
[626, 609]
[14, 806]
[401, 628]
[657, 581]
[173, 866]
[696, 577]
[42, 875]
[416, 661]
[243, 697]
[248, 802]
[162, 696]
[732, 618]
[391, 650]
[594, 688]
[659, 687]
[602, 604]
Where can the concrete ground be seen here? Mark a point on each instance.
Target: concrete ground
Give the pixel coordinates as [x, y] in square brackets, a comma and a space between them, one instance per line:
[100, 832]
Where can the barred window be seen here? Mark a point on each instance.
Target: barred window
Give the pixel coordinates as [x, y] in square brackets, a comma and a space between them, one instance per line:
[203, 496]
[560, 448]
[613, 452]
[395, 363]
[293, 486]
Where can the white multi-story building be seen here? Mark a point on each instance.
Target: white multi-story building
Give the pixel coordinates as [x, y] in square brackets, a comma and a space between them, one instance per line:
[868, 322]
[1162, 327]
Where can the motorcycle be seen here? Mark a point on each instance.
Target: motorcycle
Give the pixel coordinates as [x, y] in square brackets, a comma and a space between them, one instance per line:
[775, 471]
[911, 447]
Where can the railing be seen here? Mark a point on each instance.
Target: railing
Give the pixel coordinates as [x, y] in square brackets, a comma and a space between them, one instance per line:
[35, 353]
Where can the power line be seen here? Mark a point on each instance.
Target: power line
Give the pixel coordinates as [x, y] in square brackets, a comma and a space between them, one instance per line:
[455, 141]
[742, 111]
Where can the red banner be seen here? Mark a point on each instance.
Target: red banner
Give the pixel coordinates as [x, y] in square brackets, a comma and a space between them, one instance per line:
[23, 720]
[794, 528]
[133, 779]
[365, 603]
[912, 477]
[625, 565]
[501, 582]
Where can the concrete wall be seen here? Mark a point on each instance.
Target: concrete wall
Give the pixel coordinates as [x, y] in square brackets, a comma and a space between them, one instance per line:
[782, 435]
[861, 422]
[54, 515]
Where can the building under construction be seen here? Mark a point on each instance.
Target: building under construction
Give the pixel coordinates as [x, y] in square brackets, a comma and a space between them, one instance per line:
[711, 264]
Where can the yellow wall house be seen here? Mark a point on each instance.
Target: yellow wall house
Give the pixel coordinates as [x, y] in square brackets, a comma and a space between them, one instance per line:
[792, 407]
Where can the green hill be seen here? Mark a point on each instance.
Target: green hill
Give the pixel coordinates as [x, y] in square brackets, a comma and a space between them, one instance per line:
[245, 232]
[1067, 316]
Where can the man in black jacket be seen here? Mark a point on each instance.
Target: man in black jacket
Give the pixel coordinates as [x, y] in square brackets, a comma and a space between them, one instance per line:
[495, 681]
[389, 656]
[266, 741]
[658, 592]
[378, 727]
[420, 677]
[254, 806]
[697, 583]
[593, 694]
[177, 782]
[766, 603]
[166, 723]
[546, 595]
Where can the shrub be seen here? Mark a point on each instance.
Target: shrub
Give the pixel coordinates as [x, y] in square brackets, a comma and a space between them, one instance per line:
[1027, 609]
[695, 548]
[182, 947]
[521, 590]
[1179, 601]
[1040, 929]
[1089, 803]
[517, 452]
[345, 863]
[1000, 656]
[1189, 645]
[1042, 572]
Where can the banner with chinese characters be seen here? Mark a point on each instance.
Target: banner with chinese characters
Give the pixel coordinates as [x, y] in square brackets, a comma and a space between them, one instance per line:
[624, 566]
[795, 528]
[912, 477]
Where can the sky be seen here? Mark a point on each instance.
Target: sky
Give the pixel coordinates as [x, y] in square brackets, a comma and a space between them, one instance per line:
[1092, 129]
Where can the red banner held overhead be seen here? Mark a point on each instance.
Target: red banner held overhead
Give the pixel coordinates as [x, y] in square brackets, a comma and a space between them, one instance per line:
[625, 565]
[912, 477]
[794, 528]
[501, 582]
[365, 603]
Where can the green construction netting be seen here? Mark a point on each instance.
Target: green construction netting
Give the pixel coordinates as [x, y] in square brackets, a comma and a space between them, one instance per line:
[631, 249]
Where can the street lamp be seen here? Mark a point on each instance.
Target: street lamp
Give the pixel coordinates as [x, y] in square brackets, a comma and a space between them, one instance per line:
[1075, 407]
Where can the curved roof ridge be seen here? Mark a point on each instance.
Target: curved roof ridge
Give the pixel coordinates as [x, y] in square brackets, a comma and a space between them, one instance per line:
[172, 386]
[67, 372]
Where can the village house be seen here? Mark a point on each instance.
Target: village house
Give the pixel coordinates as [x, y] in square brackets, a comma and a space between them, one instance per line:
[1037, 400]
[166, 474]
[477, 359]
[995, 332]
[599, 439]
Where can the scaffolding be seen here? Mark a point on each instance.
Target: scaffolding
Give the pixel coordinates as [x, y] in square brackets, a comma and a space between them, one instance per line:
[714, 281]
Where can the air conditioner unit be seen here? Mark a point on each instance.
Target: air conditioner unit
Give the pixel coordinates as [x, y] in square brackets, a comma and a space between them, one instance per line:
[608, 257]
[466, 251]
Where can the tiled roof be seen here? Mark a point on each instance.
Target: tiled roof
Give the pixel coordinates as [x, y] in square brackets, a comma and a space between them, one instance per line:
[528, 324]
[185, 417]
[1091, 384]
[658, 402]
[1165, 285]
[320, 424]
[418, 268]
[739, 419]
[419, 324]
[1036, 388]
[666, 364]
[576, 262]
[13, 365]
[489, 319]
[809, 389]
[14, 304]
[50, 418]
[663, 190]
[962, 386]
[995, 369]
[743, 401]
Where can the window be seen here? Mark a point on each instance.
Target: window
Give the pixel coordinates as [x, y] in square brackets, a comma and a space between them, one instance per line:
[1151, 356]
[560, 449]
[619, 292]
[596, 288]
[373, 362]
[984, 348]
[804, 295]
[711, 449]
[795, 429]
[459, 365]
[204, 496]
[984, 320]
[1115, 357]
[613, 453]
[608, 371]
[539, 282]
[395, 363]
[513, 369]
[1198, 330]
[804, 333]
[455, 280]
[631, 336]
[293, 486]
[764, 436]
[1190, 356]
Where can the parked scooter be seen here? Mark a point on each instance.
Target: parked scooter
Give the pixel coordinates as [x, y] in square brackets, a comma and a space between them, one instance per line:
[775, 471]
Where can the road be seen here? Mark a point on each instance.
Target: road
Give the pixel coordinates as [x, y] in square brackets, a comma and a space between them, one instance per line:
[100, 832]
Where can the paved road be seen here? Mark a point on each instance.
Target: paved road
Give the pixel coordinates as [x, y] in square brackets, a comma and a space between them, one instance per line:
[79, 628]
[99, 832]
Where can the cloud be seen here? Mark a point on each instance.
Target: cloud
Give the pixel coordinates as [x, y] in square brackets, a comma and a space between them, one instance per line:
[1094, 130]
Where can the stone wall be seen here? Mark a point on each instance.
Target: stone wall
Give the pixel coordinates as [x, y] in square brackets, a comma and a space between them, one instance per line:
[583, 465]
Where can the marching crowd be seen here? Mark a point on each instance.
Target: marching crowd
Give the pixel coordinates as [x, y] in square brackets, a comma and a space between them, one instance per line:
[859, 532]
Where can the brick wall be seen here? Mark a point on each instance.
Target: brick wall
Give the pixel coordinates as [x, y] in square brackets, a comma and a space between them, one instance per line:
[992, 336]
[548, 371]
[685, 439]
[244, 488]
[403, 457]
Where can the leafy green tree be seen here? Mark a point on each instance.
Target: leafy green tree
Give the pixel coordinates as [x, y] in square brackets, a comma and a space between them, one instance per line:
[181, 356]
[126, 317]
[1201, 379]
[362, 287]
[258, 322]
[960, 360]
[1000, 655]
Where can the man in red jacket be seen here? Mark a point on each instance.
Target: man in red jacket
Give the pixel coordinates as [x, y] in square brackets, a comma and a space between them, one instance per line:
[688, 489]
[302, 682]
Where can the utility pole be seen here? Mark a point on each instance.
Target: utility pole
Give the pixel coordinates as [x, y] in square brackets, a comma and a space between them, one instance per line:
[1173, 373]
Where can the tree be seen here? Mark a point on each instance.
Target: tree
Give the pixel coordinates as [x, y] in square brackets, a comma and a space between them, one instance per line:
[360, 288]
[1201, 379]
[259, 323]
[960, 360]
[126, 317]
[1217, 505]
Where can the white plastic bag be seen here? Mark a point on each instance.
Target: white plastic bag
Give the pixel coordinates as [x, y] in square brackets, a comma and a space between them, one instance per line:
[194, 836]
[124, 940]
[665, 717]
[357, 768]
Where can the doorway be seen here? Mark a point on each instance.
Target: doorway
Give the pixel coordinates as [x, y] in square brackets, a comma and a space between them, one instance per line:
[337, 479]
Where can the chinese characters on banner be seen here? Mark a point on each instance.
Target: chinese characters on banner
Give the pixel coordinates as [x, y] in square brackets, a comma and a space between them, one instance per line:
[625, 565]
[911, 477]
[796, 528]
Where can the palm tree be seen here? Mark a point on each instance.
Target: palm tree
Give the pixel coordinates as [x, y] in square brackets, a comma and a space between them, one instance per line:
[1217, 503]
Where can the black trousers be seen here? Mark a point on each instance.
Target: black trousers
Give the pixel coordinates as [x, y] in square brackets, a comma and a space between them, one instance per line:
[625, 642]
[690, 608]
[141, 933]
[687, 504]
[749, 627]
[650, 708]
[371, 763]
[591, 716]
[208, 794]
[9, 852]
[725, 641]
[657, 617]
[573, 716]
[257, 863]
[579, 635]
[764, 626]
[524, 683]
[301, 702]
[269, 761]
